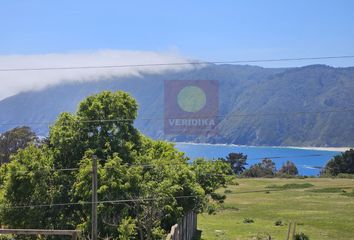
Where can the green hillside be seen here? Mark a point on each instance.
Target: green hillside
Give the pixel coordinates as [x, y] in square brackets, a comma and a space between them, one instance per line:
[285, 94]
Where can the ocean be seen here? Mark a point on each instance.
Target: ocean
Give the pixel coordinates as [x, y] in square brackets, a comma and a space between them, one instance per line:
[308, 161]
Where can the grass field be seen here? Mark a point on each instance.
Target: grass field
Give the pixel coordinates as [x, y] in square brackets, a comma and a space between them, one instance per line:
[317, 205]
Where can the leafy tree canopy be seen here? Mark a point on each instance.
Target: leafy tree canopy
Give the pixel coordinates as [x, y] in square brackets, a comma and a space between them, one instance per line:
[237, 161]
[144, 186]
[343, 163]
[13, 140]
[289, 168]
[266, 168]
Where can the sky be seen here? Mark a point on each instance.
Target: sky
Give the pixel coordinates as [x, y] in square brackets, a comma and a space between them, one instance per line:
[224, 30]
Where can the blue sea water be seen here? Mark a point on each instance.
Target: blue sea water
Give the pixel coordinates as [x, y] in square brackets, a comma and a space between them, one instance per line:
[307, 161]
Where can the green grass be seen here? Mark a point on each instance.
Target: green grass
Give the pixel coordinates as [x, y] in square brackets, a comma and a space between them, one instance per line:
[350, 194]
[290, 186]
[322, 211]
[326, 190]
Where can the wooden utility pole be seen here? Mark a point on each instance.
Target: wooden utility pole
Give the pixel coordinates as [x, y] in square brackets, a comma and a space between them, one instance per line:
[94, 197]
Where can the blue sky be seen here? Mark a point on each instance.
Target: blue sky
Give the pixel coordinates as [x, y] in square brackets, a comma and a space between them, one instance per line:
[207, 30]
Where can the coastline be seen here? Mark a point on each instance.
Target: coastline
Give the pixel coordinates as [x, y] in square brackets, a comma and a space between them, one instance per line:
[330, 149]
[333, 149]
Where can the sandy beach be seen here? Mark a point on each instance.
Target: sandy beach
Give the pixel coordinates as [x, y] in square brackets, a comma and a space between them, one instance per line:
[331, 149]
[335, 149]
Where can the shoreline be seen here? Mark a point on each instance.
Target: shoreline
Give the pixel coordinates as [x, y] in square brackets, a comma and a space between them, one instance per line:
[330, 149]
[334, 149]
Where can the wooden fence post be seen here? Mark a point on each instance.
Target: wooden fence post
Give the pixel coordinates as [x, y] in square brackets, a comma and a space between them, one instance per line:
[185, 229]
[74, 236]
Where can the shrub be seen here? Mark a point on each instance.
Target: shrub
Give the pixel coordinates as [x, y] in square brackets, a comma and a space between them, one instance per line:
[278, 223]
[234, 183]
[248, 220]
[351, 194]
[6, 237]
[301, 236]
[345, 175]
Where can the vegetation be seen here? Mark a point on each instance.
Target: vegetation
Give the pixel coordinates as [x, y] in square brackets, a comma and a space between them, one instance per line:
[248, 220]
[144, 185]
[326, 190]
[290, 186]
[249, 88]
[13, 140]
[350, 194]
[345, 175]
[318, 214]
[340, 164]
[278, 223]
[301, 236]
[237, 161]
[266, 168]
[288, 168]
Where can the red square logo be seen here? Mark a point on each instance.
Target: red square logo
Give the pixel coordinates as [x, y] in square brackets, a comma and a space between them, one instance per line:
[191, 107]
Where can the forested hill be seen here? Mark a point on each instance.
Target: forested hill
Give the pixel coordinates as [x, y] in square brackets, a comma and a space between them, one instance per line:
[249, 90]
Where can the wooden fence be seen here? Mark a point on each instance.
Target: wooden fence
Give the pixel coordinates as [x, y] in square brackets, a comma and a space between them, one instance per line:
[72, 233]
[185, 229]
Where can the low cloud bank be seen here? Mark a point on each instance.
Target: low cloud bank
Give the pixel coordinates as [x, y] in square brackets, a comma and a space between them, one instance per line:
[13, 82]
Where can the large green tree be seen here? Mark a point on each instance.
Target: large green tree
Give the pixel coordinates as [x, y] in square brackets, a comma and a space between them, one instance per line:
[343, 163]
[13, 140]
[145, 186]
[288, 168]
[266, 168]
[237, 161]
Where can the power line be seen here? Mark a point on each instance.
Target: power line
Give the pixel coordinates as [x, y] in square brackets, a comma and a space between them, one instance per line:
[151, 165]
[163, 118]
[98, 202]
[176, 63]
[49, 170]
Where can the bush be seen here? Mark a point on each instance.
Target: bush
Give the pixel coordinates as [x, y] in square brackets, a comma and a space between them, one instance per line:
[227, 191]
[345, 175]
[278, 223]
[248, 220]
[233, 182]
[301, 236]
[6, 237]
[351, 194]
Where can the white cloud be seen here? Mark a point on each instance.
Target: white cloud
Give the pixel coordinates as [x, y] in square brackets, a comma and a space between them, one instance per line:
[13, 82]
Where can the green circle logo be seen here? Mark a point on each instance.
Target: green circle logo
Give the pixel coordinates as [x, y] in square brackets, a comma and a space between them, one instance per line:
[191, 99]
